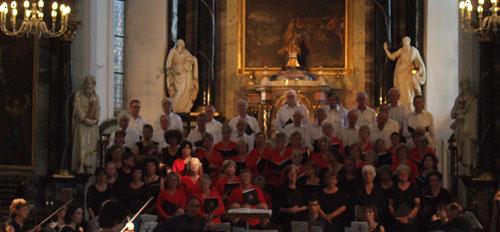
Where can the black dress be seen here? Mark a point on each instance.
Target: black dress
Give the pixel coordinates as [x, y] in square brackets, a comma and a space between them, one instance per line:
[288, 199]
[404, 202]
[376, 198]
[429, 207]
[134, 198]
[95, 198]
[153, 188]
[331, 202]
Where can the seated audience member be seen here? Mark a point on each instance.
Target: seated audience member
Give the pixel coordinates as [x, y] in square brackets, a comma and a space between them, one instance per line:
[396, 140]
[113, 216]
[186, 153]
[209, 157]
[226, 146]
[315, 220]
[173, 150]
[131, 135]
[333, 201]
[248, 195]
[298, 126]
[173, 119]
[370, 193]
[18, 212]
[336, 114]
[73, 221]
[171, 200]
[383, 127]
[159, 132]
[190, 221]
[228, 181]
[365, 139]
[402, 158]
[195, 135]
[257, 155]
[417, 153]
[241, 157]
[325, 158]
[97, 193]
[366, 115]
[251, 124]
[135, 194]
[315, 129]
[458, 221]
[240, 134]
[286, 112]
[432, 198]
[125, 172]
[428, 166]
[420, 120]
[350, 134]
[291, 204]
[146, 141]
[212, 206]
[189, 182]
[213, 126]
[372, 218]
[151, 178]
[277, 160]
[404, 201]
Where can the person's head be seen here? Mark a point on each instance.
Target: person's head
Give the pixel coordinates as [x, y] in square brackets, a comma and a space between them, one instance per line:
[151, 166]
[241, 125]
[208, 141]
[226, 131]
[280, 140]
[209, 112]
[113, 215]
[394, 96]
[379, 146]
[137, 173]
[164, 122]
[74, 214]
[402, 152]
[88, 85]
[382, 119]
[325, 144]
[19, 207]
[123, 120]
[452, 210]
[62, 213]
[120, 137]
[291, 173]
[349, 164]
[364, 133]
[369, 173]
[320, 115]
[429, 162]
[395, 139]
[242, 147]
[291, 97]
[435, 180]
[172, 180]
[406, 41]
[296, 157]
[352, 118]
[331, 178]
[418, 103]
[110, 169]
[403, 172]
[384, 108]
[260, 181]
[186, 149]
[193, 206]
[332, 98]
[422, 141]
[260, 139]
[242, 107]
[201, 121]
[245, 177]
[173, 137]
[229, 167]
[311, 170]
[370, 212]
[180, 45]
[116, 152]
[128, 159]
[313, 205]
[167, 104]
[100, 175]
[297, 117]
[205, 183]
[147, 131]
[135, 107]
[194, 166]
[385, 173]
[327, 129]
[296, 139]
[361, 99]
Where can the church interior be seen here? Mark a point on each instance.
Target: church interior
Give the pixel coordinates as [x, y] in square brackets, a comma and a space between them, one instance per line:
[249, 115]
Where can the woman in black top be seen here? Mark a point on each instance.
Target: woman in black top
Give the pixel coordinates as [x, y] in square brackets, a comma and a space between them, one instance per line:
[291, 204]
[428, 166]
[151, 177]
[433, 198]
[371, 217]
[370, 193]
[135, 194]
[172, 151]
[311, 182]
[73, 219]
[19, 211]
[404, 201]
[333, 201]
[98, 193]
[146, 142]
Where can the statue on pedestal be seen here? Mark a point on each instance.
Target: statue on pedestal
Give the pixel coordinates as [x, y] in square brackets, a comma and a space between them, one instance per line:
[86, 113]
[182, 77]
[409, 73]
[465, 125]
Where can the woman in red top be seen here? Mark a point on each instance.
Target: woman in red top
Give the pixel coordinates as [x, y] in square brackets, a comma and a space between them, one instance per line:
[296, 159]
[324, 158]
[210, 158]
[421, 149]
[328, 131]
[171, 200]
[261, 149]
[396, 139]
[208, 196]
[297, 143]
[365, 140]
[277, 160]
[189, 182]
[237, 195]
[180, 164]
[402, 158]
[241, 156]
[229, 180]
[226, 147]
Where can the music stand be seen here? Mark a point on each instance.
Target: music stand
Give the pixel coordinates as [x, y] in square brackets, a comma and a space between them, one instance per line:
[248, 213]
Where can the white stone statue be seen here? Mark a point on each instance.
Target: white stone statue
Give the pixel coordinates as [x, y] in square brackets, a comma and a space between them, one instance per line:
[409, 73]
[85, 129]
[465, 125]
[182, 77]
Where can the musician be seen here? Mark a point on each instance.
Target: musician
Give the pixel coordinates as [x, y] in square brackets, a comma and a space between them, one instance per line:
[180, 163]
[190, 221]
[210, 158]
[74, 219]
[151, 178]
[189, 182]
[171, 199]
[334, 203]
[260, 151]
[251, 123]
[371, 193]
[205, 196]
[371, 217]
[246, 184]
[113, 216]
[228, 178]
[135, 194]
[226, 146]
[433, 198]
[404, 201]
[146, 141]
[314, 211]
[98, 193]
[19, 211]
[291, 203]
[58, 221]
[172, 151]
[278, 156]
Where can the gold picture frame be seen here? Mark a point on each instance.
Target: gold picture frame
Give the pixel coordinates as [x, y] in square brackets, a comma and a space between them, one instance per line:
[243, 69]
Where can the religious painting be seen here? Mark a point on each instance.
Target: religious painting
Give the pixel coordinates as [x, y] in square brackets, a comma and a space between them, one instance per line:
[267, 27]
[16, 101]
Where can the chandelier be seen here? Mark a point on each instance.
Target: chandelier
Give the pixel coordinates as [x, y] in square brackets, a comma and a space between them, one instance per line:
[33, 21]
[480, 17]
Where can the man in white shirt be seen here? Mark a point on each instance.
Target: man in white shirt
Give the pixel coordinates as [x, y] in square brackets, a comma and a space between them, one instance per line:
[240, 134]
[336, 114]
[136, 121]
[285, 112]
[213, 126]
[383, 128]
[420, 120]
[298, 125]
[396, 112]
[131, 135]
[366, 115]
[174, 120]
[316, 132]
[252, 126]
[196, 135]
[159, 133]
[350, 135]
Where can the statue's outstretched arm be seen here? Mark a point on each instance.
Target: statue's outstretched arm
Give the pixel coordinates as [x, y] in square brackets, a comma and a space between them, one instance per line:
[390, 55]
